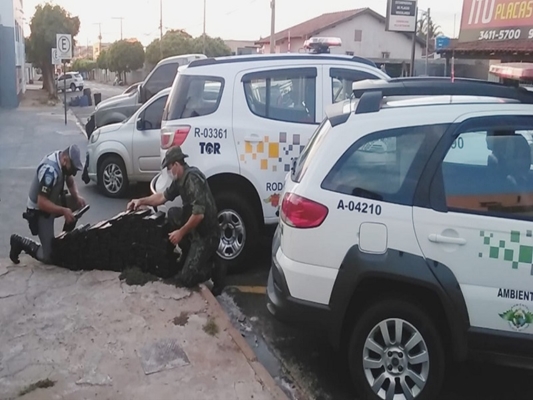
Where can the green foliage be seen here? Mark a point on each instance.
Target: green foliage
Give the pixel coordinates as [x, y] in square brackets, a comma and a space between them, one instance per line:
[48, 21]
[102, 60]
[125, 56]
[423, 27]
[82, 64]
[177, 42]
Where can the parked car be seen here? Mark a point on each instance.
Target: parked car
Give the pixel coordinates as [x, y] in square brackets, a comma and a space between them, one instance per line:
[242, 120]
[405, 232]
[74, 81]
[127, 152]
[118, 108]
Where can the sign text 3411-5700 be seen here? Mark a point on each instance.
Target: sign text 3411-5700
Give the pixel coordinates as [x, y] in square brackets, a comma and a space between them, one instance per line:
[211, 133]
[505, 34]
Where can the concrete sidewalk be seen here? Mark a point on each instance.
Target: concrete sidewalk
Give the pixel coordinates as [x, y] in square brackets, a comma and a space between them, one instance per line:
[89, 335]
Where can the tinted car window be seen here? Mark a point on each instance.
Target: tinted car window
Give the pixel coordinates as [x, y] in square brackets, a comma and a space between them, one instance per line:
[490, 172]
[289, 96]
[154, 113]
[194, 96]
[342, 80]
[162, 78]
[384, 165]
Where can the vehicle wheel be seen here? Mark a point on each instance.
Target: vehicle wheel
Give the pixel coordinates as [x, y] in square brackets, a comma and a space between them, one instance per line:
[72, 87]
[240, 230]
[395, 352]
[112, 177]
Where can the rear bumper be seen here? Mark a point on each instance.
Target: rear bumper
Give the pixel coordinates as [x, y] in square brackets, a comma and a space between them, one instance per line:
[286, 308]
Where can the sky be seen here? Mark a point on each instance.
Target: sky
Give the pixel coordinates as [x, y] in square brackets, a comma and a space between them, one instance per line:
[228, 19]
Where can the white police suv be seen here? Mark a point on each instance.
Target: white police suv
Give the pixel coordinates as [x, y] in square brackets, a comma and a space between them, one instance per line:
[406, 231]
[243, 119]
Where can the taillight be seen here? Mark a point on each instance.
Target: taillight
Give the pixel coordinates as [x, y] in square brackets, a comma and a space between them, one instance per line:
[174, 136]
[299, 212]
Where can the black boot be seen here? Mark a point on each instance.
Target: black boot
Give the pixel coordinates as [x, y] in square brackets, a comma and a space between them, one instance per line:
[220, 270]
[20, 244]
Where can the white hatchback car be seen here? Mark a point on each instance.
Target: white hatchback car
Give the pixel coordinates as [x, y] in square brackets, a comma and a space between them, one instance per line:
[74, 81]
[127, 152]
[406, 232]
[242, 120]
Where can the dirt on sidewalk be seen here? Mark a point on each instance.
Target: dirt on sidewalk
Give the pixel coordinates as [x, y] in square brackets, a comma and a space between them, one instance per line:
[87, 335]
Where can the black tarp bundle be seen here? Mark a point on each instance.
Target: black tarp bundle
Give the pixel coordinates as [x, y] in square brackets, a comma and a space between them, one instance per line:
[130, 239]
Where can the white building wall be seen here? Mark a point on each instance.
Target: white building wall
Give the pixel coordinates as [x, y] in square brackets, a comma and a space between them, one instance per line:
[374, 39]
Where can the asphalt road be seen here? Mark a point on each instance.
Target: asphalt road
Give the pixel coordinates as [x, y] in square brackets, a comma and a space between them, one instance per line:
[28, 134]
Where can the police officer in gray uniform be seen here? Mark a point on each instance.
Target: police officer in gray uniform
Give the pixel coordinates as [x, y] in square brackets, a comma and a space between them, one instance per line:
[47, 201]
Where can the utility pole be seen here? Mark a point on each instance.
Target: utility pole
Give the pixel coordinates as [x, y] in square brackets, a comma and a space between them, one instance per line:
[161, 28]
[273, 26]
[120, 18]
[427, 37]
[413, 49]
[204, 24]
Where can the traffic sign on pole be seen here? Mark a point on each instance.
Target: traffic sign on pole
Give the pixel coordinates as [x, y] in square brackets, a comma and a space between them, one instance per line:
[56, 59]
[64, 45]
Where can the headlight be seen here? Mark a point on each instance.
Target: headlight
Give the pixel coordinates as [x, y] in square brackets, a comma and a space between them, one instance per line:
[95, 136]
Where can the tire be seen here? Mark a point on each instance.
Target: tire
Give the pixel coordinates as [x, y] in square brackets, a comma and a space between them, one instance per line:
[234, 210]
[72, 87]
[115, 165]
[414, 320]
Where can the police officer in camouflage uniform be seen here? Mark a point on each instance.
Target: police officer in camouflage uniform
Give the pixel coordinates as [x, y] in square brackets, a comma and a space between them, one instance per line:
[47, 201]
[197, 218]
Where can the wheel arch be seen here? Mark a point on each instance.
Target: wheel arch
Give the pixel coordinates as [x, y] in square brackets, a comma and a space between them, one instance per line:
[364, 279]
[237, 183]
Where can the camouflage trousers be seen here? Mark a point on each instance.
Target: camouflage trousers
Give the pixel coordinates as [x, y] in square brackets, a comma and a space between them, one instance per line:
[201, 252]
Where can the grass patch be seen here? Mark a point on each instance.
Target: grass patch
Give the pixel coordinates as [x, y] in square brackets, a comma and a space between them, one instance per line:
[211, 327]
[42, 384]
[134, 276]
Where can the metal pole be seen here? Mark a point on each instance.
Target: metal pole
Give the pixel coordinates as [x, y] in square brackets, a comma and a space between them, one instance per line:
[273, 26]
[65, 88]
[204, 25]
[427, 38]
[413, 48]
[161, 28]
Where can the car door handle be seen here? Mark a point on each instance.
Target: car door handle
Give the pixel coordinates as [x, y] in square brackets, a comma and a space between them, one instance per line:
[252, 138]
[446, 239]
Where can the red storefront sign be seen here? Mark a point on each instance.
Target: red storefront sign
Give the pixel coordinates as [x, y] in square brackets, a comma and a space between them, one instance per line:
[496, 20]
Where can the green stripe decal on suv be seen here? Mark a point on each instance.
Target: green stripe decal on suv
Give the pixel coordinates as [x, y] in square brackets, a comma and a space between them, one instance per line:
[509, 248]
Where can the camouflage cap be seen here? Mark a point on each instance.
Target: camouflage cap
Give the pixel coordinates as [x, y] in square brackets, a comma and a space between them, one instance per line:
[173, 155]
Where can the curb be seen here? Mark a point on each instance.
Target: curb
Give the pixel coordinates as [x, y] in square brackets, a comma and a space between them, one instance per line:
[260, 370]
[78, 122]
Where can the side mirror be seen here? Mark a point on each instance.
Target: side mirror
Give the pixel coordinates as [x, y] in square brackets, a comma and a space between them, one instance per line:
[140, 123]
[142, 94]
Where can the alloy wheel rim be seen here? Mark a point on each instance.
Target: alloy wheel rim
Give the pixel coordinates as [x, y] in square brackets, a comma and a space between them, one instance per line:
[233, 235]
[396, 360]
[113, 178]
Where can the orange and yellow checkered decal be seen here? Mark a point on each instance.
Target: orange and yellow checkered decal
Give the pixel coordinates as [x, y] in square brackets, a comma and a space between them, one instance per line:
[273, 153]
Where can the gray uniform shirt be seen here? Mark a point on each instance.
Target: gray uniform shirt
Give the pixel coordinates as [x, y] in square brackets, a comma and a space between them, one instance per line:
[48, 181]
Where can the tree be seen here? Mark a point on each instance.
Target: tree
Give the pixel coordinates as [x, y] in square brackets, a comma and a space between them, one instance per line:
[83, 65]
[211, 47]
[174, 43]
[48, 21]
[178, 42]
[425, 25]
[102, 61]
[125, 56]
